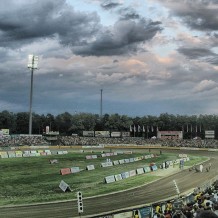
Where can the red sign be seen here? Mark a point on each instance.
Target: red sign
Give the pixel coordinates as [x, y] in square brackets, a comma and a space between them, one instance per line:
[65, 171]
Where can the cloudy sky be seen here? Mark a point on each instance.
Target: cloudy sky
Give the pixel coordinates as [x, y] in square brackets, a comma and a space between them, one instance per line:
[148, 56]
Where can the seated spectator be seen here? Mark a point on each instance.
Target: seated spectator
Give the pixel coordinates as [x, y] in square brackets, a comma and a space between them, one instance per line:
[206, 214]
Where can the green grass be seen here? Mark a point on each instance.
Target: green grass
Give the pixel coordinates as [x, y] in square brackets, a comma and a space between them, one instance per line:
[34, 179]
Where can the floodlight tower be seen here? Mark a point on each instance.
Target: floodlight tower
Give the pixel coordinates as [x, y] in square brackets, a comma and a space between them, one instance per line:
[32, 65]
[101, 105]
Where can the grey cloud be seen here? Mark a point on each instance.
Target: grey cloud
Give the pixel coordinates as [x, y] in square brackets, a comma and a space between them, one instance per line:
[124, 38]
[109, 4]
[125, 13]
[194, 53]
[202, 54]
[128, 13]
[82, 32]
[198, 14]
[213, 60]
[27, 21]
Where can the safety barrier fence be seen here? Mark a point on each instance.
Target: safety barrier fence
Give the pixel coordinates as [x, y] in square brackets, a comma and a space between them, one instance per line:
[106, 146]
[30, 153]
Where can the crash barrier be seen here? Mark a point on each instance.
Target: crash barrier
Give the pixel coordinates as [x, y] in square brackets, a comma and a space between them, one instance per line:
[29, 153]
[64, 186]
[66, 171]
[110, 154]
[148, 211]
[107, 154]
[131, 173]
[108, 146]
[146, 169]
[127, 160]
[124, 175]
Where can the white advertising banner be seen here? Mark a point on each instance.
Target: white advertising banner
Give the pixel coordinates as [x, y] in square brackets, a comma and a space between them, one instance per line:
[5, 132]
[54, 161]
[19, 155]
[131, 160]
[125, 175]
[64, 186]
[125, 134]
[123, 215]
[147, 169]
[122, 161]
[140, 171]
[107, 164]
[110, 179]
[118, 177]
[88, 133]
[4, 155]
[116, 134]
[74, 169]
[26, 154]
[11, 154]
[209, 132]
[102, 134]
[116, 162]
[47, 130]
[126, 160]
[132, 173]
[90, 167]
[32, 154]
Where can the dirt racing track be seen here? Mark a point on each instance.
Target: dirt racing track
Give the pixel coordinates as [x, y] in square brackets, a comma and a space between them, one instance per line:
[139, 196]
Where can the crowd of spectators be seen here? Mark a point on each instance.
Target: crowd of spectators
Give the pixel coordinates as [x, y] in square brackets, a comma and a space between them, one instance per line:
[210, 143]
[72, 140]
[22, 140]
[204, 204]
[68, 140]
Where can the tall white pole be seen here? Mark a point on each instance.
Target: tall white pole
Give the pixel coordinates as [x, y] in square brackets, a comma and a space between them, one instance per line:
[32, 64]
[101, 105]
[31, 100]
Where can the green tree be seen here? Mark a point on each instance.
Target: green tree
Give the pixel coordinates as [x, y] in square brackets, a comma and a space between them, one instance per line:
[64, 123]
[22, 120]
[8, 121]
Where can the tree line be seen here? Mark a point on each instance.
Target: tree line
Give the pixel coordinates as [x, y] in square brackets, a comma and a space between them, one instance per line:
[66, 123]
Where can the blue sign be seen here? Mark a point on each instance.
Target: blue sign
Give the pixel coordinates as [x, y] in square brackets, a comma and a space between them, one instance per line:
[145, 212]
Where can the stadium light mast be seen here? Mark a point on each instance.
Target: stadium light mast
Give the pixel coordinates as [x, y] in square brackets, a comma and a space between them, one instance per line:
[32, 65]
[101, 104]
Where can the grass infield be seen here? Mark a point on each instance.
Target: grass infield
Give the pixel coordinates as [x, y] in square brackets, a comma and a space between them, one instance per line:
[35, 180]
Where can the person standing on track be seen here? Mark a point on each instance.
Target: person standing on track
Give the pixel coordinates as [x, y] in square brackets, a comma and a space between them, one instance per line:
[181, 164]
[201, 168]
[209, 166]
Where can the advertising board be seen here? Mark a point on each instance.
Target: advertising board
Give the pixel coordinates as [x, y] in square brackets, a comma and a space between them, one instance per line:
[88, 133]
[105, 134]
[115, 134]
